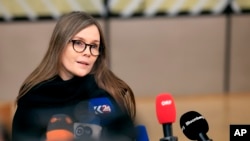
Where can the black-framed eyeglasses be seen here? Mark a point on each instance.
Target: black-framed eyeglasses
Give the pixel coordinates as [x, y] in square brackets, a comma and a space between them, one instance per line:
[80, 46]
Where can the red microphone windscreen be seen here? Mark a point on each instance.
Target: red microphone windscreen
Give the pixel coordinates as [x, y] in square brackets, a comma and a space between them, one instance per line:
[165, 108]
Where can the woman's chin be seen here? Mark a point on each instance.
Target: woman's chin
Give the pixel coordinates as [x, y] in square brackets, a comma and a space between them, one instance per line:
[82, 74]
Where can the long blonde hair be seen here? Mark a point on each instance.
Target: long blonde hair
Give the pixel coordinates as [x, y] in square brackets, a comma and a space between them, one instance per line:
[67, 26]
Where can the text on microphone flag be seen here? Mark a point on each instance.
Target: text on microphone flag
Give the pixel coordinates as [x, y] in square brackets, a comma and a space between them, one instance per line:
[102, 109]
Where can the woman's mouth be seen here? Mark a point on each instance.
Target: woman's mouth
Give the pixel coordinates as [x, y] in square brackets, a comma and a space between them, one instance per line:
[83, 63]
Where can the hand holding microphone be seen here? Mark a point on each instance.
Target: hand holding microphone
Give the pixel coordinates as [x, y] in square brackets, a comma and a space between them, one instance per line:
[166, 114]
[194, 126]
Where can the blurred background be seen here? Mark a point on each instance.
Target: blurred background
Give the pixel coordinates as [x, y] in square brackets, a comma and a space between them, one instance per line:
[197, 50]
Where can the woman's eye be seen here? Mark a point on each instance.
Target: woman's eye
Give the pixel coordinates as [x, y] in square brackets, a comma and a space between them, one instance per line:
[94, 46]
[79, 42]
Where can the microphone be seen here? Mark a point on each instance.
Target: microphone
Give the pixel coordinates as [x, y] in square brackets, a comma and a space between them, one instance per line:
[166, 114]
[59, 128]
[103, 108]
[89, 115]
[88, 125]
[194, 126]
[142, 134]
[112, 120]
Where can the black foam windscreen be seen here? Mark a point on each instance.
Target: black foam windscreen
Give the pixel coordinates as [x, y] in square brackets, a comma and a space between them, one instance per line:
[193, 124]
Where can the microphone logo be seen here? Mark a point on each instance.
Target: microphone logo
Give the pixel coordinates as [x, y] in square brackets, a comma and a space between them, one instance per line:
[166, 102]
[187, 123]
[102, 109]
[193, 120]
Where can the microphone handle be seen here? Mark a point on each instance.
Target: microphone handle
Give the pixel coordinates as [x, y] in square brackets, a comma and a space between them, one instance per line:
[168, 133]
[204, 137]
[169, 138]
[167, 129]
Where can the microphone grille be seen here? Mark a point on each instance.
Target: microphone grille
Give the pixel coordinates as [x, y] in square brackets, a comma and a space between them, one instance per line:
[192, 124]
[165, 108]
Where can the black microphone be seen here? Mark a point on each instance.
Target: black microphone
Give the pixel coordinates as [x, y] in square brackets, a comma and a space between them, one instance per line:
[194, 126]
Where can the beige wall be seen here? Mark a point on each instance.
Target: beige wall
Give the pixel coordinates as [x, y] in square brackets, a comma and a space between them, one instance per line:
[240, 67]
[22, 46]
[178, 55]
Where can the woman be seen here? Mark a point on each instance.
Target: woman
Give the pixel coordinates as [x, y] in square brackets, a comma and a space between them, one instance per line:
[55, 99]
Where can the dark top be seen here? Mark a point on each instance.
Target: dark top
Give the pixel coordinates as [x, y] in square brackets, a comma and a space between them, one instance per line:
[57, 108]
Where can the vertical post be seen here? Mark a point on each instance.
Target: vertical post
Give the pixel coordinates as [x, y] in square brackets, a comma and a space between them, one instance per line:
[107, 30]
[227, 65]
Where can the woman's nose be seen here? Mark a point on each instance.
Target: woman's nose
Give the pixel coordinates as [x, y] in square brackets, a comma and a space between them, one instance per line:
[87, 51]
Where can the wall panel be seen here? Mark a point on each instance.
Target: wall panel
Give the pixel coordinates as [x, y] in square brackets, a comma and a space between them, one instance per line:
[240, 56]
[178, 55]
